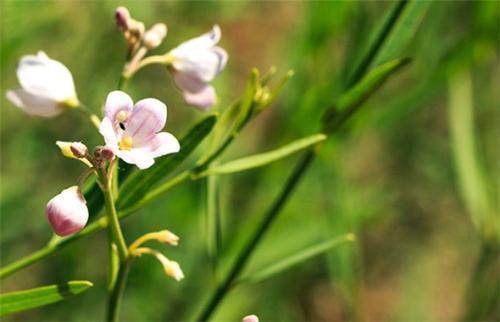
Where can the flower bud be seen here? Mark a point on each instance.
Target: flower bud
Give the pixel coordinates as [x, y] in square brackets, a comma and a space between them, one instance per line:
[122, 17]
[103, 153]
[250, 318]
[173, 270]
[78, 149]
[67, 212]
[154, 36]
[167, 237]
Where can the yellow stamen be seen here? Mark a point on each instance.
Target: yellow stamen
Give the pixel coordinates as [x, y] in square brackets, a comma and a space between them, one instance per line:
[125, 143]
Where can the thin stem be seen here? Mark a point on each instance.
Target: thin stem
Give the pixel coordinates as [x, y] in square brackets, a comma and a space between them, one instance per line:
[114, 224]
[266, 222]
[156, 59]
[117, 292]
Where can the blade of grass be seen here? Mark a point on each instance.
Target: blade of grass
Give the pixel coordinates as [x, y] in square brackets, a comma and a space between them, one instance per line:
[296, 259]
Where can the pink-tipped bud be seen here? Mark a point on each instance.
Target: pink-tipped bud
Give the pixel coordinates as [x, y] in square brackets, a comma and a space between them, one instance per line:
[250, 318]
[79, 149]
[122, 17]
[154, 36]
[67, 212]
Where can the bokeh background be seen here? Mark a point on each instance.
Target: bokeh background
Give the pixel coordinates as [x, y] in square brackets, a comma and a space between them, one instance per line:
[388, 176]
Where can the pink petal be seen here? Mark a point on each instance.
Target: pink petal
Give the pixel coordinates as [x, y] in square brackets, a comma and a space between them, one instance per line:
[141, 157]
[164, 143]
[222, 58]
[204, 99]
[148, 117]
[34, 104]
[188, 82]
[107, 131]
[115, 102]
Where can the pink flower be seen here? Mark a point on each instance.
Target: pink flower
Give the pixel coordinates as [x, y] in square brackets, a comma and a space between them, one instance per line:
[131, 132]
[67, 212]
[195, 63]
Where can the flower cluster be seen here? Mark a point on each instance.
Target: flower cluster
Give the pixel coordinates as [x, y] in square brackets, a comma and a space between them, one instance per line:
[132, 132]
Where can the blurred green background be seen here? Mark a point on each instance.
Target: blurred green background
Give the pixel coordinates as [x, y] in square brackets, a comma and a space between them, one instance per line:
[389, 175]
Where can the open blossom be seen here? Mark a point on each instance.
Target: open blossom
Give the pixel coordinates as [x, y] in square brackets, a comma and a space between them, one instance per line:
[194, 64]
[67, 212]
[47, 86]
[133, 132]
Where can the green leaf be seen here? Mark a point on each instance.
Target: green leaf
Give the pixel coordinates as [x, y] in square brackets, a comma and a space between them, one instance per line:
[348, 103]
[140, 182]
[296, 259]
[40, 296]
[376, 40]
[403, 32]
[261, 159]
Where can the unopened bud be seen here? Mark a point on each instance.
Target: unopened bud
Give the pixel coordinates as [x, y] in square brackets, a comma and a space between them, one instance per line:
[173, 270]
[167, 237]
[122, 17]
[103, 153]
[79, 149]
[67, 212]
[250, 318]
[154, 36]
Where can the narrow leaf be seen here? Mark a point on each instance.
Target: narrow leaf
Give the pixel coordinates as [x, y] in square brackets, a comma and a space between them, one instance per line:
[296, 259]
[403, 32]
[259, 160]
[350, 101]
[29, 299]
[140, 182]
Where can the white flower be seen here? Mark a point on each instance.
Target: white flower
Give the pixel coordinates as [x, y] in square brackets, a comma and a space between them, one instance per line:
[133, 132]
[47, 86]
[67, 212]
[194, 64]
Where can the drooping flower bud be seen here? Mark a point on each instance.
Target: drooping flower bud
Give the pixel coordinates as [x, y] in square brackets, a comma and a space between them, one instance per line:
[155, 35]
[122, 17]
[173, 270]
[250, 318]
[67, 212]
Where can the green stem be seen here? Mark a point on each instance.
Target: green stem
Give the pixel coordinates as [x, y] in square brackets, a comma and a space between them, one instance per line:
[266, 222]
[117, 292]
[114, 224]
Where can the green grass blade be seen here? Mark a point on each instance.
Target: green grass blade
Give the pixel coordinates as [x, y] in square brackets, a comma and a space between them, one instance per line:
[296, 259]
[376, 40]
[262, 159]
[471, 177]
[348, 103]
[140, 182]
[403, 32]
[40, 296]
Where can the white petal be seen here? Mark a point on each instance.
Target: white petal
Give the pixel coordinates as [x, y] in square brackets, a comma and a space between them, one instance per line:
[148, 117]
[204, 99]
[43, 76]
[115, 102]
[164, 143]
[107, 131]
[202, 64]
[140, 157]
[204, 41]
[33, 104]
